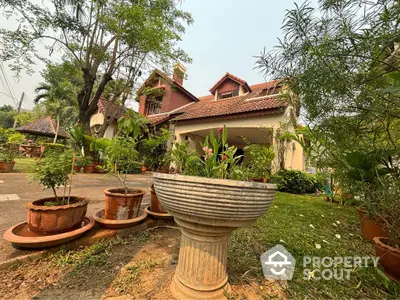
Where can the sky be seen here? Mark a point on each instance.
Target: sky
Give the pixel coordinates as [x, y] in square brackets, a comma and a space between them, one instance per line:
[225, 37]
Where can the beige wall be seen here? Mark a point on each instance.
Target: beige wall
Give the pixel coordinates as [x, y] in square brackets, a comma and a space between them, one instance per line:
[293, 156]
[110, 131]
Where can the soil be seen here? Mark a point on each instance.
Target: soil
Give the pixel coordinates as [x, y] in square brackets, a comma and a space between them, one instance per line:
[139, 267]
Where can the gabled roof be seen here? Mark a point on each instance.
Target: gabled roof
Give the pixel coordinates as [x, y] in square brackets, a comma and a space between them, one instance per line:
[232, 77]
[171, 81]
[112, 109]
[255, 101]
[43, 127]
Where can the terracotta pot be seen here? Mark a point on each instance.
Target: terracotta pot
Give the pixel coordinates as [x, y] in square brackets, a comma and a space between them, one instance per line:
[389, 257]
[77, 169]
[369, 227]
[121, 206]
[7, 166]
[55, 219]
[156, 205]
[265, 180]
[88, 169]
[100, 170]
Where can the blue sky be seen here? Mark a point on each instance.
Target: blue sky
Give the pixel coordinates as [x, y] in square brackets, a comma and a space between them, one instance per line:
[224, 37]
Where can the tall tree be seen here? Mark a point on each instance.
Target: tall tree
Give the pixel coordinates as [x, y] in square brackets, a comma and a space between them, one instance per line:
[111, 40]
[342, 60]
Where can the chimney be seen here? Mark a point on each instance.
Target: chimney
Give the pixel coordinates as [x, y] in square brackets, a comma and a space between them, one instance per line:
[179, 73]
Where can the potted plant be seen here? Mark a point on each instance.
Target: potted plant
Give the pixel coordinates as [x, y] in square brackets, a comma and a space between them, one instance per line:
[364, 175]
[123, 202]
[100, 169]
[387, 208]
[59, 213]
[87, 165]
[6, 159]
[260, 162]
[208, 205]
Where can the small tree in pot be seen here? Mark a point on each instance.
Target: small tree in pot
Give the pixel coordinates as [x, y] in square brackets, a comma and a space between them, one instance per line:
[122, 156]
[6, 159]
[59, 213]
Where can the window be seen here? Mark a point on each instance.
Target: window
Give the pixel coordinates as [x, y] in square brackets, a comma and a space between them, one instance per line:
[230, 94]
[153, 106]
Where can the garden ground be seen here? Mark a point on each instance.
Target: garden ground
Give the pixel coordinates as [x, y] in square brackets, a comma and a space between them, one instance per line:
[141, 267]
[16, 191]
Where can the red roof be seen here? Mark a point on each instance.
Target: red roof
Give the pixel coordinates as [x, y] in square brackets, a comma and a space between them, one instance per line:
[251, 102]
[232, 77]
[157, 119]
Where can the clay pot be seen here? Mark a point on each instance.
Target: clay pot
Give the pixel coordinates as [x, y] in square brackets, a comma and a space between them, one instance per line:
[121, 206]
[88, 169]
[77, 169]
[389, 257]
[264, 180]
[156, 205]
[7, 166]
[370, 228]
[55, 219]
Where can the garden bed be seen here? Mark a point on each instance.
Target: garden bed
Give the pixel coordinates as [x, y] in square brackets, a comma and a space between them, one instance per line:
[142, 266]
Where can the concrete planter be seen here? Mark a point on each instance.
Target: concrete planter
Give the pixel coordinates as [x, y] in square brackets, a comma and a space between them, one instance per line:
[208, 210]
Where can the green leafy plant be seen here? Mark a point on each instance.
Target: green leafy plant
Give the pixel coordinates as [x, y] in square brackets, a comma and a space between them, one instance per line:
[16, 138]
[121, 157]
[81, 161]
[53, 171]
[6, 155]
[295, 182]
[218, 160]
[261, 158]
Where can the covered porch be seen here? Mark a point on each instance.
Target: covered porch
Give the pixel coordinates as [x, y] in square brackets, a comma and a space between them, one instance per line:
[256, 130]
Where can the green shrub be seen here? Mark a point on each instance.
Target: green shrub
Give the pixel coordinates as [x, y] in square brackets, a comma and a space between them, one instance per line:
[295, 182]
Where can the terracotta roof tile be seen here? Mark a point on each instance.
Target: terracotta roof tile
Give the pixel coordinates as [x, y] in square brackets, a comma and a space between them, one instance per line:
[113, 110]
[251, 102]
[157, 119]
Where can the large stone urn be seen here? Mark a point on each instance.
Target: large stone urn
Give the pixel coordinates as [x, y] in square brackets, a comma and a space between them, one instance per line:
[208, 210]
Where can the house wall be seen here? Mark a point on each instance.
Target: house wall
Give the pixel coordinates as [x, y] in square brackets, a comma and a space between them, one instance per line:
[110, 131]
[294, 158]
[227, 86]
[173, 98]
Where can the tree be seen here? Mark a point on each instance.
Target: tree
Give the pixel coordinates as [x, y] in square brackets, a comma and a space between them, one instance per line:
[342, 62]
[58, 93]
[109, 41]
[7, 113]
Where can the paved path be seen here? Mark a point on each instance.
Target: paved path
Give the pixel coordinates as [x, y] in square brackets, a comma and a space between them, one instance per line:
[16, 191]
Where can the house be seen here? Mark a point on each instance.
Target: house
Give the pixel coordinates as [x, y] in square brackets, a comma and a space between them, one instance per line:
[104, 122]
[256, 112]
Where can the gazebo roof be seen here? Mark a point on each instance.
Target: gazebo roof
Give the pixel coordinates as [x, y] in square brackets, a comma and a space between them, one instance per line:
[43, 127]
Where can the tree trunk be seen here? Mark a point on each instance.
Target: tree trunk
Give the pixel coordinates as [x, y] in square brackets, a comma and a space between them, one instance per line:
[57, 129]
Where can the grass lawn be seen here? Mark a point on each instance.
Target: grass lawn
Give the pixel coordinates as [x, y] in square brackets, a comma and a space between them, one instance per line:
[141, 267]
[24, 164]
[299, 223]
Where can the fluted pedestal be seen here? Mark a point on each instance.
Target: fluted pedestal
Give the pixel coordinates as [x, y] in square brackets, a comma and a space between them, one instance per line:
[201, 271]
[208, 210]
